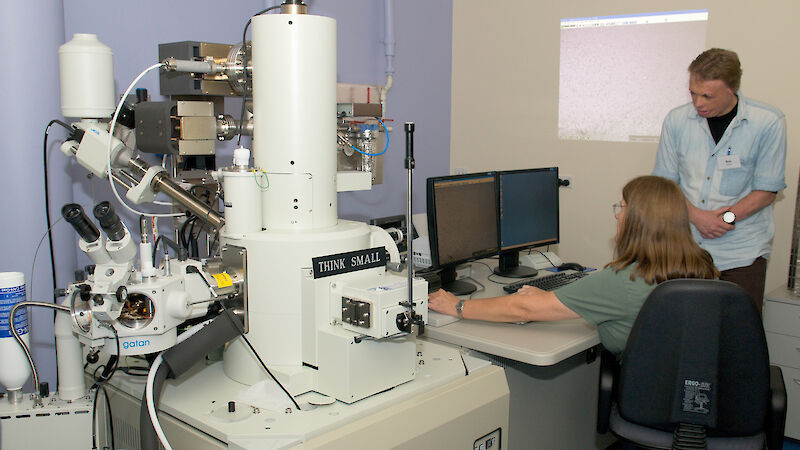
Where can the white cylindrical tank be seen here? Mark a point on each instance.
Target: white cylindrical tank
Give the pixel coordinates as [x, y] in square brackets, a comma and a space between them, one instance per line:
[14, 367]
[243, 200]
[294, 113]
[71, 385]
[87, 78]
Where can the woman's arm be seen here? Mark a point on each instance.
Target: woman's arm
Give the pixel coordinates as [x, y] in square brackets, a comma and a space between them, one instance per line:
[528, 304]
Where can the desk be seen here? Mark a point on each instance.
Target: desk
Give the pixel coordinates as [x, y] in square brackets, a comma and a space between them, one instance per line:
[781, 320]
[550, 367]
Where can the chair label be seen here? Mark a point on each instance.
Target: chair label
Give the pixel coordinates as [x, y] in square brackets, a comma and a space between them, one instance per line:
[696, 396]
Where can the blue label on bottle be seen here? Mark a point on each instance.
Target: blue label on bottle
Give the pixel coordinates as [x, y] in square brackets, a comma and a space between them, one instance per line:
[9, 297]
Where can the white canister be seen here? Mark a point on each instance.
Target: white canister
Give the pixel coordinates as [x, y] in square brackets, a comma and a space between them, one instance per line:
[87, 78]
[243, 201]
[14, 367]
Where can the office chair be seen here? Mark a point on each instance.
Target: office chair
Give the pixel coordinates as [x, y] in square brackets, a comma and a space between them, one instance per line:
[695, 374]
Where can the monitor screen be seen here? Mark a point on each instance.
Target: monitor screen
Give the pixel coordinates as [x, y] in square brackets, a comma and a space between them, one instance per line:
[462, 220]
[528, 215]
[528, 208]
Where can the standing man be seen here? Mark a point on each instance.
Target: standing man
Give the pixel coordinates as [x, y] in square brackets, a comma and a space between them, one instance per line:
[728, 154]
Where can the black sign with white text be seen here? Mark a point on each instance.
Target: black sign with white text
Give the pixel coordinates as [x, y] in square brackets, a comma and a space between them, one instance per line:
[325, 266]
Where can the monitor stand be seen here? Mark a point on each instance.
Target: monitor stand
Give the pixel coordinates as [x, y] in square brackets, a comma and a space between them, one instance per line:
[508, 266]
[455, 287]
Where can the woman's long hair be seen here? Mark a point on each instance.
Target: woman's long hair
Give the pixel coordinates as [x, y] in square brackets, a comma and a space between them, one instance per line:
[654, 234]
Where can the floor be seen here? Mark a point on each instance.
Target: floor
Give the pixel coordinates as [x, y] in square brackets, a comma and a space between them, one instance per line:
[788, 444]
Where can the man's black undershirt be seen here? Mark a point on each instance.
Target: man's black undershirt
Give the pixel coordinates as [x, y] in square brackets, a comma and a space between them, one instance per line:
[719, 124]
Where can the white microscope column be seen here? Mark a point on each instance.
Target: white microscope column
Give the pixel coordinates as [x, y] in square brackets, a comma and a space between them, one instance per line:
[294, 109]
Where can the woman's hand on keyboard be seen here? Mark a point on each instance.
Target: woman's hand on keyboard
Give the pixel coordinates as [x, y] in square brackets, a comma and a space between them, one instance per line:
[528, 290]
[443, 302]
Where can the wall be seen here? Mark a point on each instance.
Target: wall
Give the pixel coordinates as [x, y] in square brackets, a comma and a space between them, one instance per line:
[31, 33]
[505, 105]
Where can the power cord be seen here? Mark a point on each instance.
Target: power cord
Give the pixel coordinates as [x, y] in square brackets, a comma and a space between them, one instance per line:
[47, 197]
[266, 369]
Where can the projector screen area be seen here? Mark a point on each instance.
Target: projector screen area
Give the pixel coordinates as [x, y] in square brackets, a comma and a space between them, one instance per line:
[620, 75]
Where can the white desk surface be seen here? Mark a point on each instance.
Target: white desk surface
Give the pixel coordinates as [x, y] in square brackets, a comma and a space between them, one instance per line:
[536, 343]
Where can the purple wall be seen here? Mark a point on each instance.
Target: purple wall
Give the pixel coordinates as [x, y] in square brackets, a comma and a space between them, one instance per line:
[31, 33]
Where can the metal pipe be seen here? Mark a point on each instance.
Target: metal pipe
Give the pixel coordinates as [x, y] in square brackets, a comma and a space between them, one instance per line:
[37, 399]
[228, 127]
[189, 66]
[409, 163]
[294, 7]
[119, 174]
[162, 183]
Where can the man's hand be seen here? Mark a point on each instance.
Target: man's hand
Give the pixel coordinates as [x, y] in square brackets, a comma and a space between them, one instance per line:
[709, 222]
[443, 302]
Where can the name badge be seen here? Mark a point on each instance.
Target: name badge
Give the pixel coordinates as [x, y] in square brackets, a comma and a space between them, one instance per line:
[726, 162]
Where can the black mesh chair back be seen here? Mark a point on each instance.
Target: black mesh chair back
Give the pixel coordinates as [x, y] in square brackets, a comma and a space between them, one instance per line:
[695, 367]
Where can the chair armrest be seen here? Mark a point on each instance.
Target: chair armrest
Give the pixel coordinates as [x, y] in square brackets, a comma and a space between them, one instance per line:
[605, 396]
[776, 416]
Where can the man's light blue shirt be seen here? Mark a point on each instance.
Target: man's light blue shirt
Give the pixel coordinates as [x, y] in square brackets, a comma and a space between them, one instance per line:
[688, 155]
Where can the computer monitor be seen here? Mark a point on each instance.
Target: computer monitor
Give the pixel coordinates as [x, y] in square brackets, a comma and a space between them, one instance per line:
[462, 224]
[528, 215]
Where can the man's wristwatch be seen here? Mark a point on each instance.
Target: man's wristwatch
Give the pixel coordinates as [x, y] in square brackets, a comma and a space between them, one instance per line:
[459, 308]
[729, 217]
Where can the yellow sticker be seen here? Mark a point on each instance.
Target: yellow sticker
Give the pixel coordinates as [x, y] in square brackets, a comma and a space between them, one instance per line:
[223, 279]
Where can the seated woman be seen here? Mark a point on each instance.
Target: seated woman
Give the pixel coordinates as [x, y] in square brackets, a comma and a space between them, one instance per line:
[653, 244]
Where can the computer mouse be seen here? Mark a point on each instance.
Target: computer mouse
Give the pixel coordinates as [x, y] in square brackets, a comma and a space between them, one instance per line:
[571, 266]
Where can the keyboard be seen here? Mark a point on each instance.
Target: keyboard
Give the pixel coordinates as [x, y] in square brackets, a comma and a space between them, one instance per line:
[547, 282]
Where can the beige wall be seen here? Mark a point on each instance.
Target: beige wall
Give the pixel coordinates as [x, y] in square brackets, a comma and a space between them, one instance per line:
[505, 104]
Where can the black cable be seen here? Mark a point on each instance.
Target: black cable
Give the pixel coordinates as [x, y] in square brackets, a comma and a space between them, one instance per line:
[489, 278]
[194, 252]
[96, 377]
[113, 359]
[155, 248]
[214, 242]
[252, 349]
[167, 243]
[94, 419]
[47, 215]
[47, 200]
[268, 371]
[97, 389]
[182, 234]
[244, 70]
[545, 257]
[207, 192]
[110, 418]
[491, 274]
[134, 371]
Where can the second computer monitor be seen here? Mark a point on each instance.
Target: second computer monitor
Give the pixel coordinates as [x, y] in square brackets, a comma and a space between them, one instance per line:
[528, 215]
[462, 223]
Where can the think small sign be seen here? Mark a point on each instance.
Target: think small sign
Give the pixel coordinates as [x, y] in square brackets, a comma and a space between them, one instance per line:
[325, 266]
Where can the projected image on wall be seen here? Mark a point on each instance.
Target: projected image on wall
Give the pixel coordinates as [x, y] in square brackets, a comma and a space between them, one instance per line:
[620, 75]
